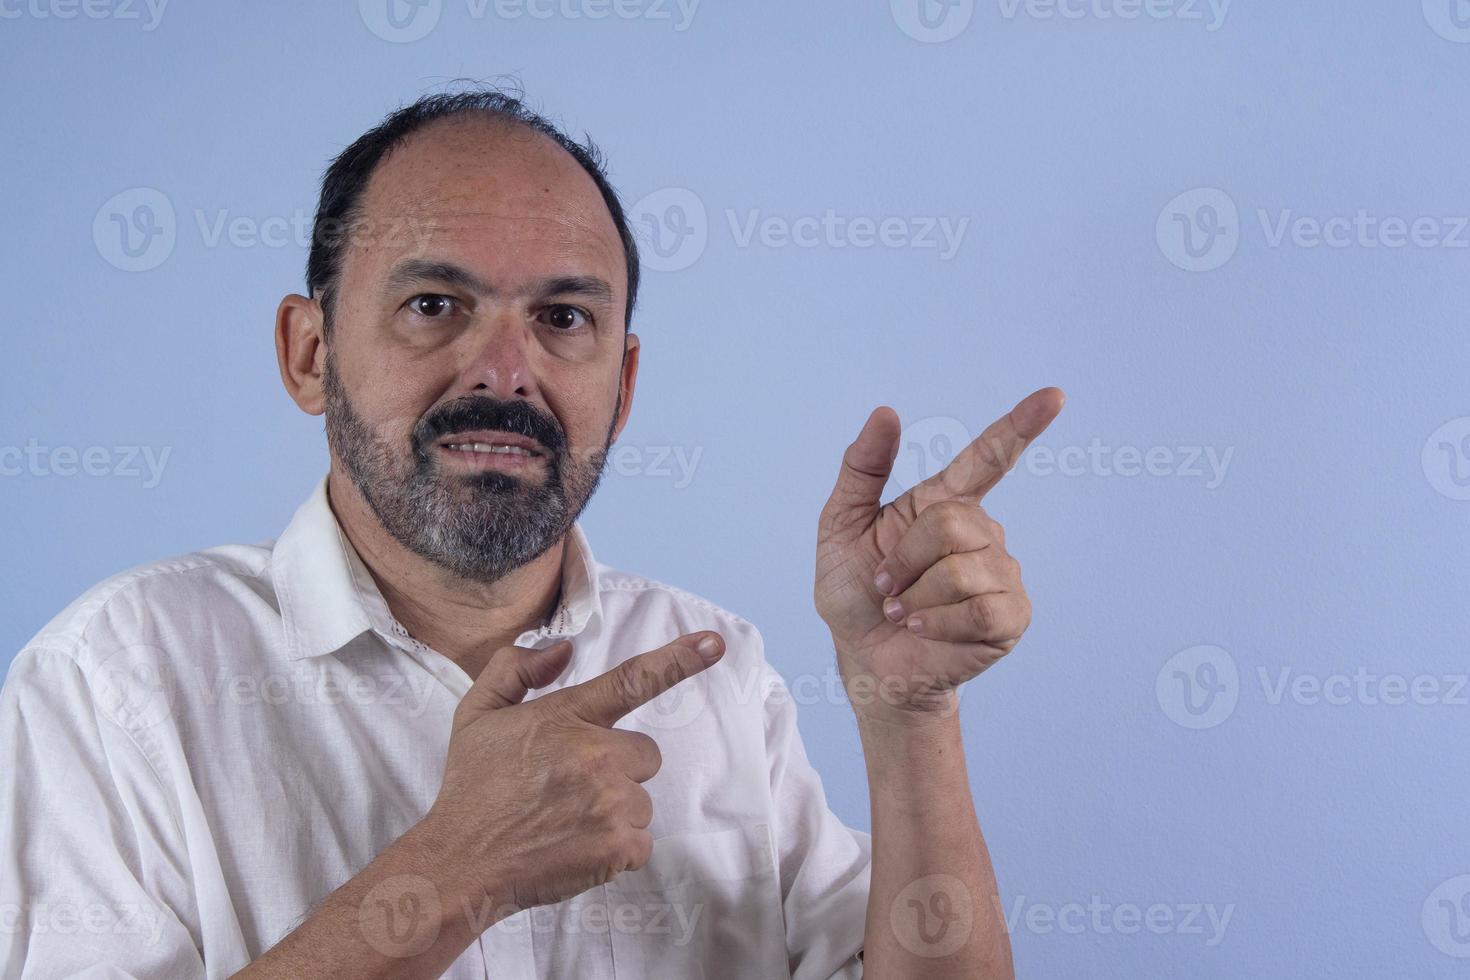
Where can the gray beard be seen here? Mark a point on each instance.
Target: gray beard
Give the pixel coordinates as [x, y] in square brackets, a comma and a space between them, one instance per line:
[478, 527]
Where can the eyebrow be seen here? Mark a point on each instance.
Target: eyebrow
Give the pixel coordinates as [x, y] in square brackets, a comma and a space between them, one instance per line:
[412, 272]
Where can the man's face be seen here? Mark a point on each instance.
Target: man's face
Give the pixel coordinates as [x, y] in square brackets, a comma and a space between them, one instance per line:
[480, 307]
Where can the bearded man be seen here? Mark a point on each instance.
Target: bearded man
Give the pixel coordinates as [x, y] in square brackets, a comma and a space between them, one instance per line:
[424, 732]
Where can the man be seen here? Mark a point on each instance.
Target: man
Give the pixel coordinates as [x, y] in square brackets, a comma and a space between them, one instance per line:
[424, 732]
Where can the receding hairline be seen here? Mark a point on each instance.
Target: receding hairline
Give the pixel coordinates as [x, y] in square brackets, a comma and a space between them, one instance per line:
[347, 178]
[503, 126]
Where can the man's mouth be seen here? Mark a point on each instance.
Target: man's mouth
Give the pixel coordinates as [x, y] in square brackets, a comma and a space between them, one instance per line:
[480, 447]
[491, 441]
[492, 450]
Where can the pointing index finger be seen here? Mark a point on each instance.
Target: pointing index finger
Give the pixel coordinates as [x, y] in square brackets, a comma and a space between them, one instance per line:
[980, 465]
[633, 683]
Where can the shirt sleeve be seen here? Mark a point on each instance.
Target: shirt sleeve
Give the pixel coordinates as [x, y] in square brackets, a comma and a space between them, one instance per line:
[88, 847]
[825, 865]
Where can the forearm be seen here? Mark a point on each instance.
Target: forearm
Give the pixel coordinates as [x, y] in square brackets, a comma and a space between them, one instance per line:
[406, 916]
[933, 907]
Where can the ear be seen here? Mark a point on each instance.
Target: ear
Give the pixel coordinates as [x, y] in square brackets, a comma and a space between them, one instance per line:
[628, 381]
[301, 351]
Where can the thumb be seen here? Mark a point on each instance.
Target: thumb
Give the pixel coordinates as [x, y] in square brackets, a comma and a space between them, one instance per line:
[510, 675]
[865, 467]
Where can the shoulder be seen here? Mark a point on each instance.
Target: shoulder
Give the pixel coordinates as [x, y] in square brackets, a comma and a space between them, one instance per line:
[121, 648]
[162, 597]
[651, 613]
[628, 596]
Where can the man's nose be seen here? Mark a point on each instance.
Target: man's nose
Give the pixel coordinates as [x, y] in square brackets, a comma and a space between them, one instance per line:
[499, 362]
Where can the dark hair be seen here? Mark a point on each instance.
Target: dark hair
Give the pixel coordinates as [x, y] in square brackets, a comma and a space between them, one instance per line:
[343, 183]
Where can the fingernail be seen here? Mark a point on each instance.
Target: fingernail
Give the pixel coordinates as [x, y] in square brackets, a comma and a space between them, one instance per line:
[916, 625]
[709, 649]
[883, 581]
[893, 609]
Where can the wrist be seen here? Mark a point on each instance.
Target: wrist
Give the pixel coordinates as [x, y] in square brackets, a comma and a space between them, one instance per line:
[936, 717]
[894, 699]
[471, 897]
[911, 756]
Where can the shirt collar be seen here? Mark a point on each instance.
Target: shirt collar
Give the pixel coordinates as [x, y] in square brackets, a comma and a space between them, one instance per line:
[329, 598]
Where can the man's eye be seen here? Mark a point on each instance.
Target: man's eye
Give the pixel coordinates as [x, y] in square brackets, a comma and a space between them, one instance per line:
[432, 305]
[565, 317]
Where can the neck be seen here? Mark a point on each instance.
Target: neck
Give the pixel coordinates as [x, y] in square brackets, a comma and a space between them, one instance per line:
[465, 621]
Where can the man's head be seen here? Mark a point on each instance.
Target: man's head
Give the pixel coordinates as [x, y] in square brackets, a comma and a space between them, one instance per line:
[471, 280]
[341, 204]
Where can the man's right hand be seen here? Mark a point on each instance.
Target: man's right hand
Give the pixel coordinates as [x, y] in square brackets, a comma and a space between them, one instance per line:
[542, 800]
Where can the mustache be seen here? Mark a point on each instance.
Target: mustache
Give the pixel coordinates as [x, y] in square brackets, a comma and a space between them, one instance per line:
[469, 414]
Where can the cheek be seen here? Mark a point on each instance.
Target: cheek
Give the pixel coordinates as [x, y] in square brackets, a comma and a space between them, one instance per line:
[584, 407]
[392, 399]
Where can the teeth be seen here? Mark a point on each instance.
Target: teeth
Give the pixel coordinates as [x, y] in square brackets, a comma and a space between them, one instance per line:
[480, 447]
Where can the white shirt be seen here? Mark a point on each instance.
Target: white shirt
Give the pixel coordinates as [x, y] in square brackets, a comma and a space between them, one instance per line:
[197, 751]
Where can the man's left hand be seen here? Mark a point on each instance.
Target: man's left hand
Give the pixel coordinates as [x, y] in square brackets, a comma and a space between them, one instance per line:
[920, 594]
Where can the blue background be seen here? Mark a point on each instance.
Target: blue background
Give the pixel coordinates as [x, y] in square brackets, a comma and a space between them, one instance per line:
[1333, 545]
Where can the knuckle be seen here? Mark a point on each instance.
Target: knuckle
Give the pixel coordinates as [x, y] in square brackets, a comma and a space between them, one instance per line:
[670, 672]
[555, 708]
[605, 809]
[643, 742]
[636, 848]
[992, 527]
[639, 806]
[945, 581]
[948, 518]
[991, 453]
[967, 578]
[629, 681]
[982, 615]
[648, 751]
[592, 758]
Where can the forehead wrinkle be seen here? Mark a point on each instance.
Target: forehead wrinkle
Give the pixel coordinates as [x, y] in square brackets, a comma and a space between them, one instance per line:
[569, 239]
[571, 227]
[505, 263]
[564, 222]
[521, 228]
